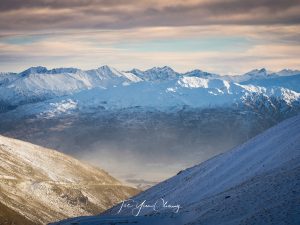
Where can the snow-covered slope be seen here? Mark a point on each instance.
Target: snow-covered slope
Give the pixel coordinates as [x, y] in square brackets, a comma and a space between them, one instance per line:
[255, 183]
[194, 92]
[288, 72]
[202, 74]
[43, 185]
[287, 82]
[261, 74]
[256, 74]
[38, 83]
[156, 74]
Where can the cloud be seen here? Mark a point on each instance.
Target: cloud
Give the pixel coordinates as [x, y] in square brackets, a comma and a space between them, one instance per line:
[210, 34]
[273, 47]
[121, 14]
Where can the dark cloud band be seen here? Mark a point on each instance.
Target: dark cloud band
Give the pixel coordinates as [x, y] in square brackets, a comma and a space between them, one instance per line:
[121, 14]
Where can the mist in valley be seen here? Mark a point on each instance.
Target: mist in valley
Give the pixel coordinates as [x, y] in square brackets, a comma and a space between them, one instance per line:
[139, 146]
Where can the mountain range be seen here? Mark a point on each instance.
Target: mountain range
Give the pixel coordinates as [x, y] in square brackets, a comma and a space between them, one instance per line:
[97, 115]
[39, 84]
[254, 183]
[40, 185]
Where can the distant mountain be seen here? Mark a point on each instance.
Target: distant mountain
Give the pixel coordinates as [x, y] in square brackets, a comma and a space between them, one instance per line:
[34, 70]
[39, 83]
[201, 74]
[288, 72]
[287, 82]
[40, 185]
[156, 74]
[156, 87]
[255, 183]
[261, 74]
[198, 114]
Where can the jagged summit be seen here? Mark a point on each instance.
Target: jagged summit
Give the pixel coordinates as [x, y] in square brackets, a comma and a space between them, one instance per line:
[63, 70]
[33, 70]
[156, 74]
[166, 70]
[46, 84]
[201, 73]
[108, 70]
[162, 68]
[259, 72]
[288, 72]
[44, 70]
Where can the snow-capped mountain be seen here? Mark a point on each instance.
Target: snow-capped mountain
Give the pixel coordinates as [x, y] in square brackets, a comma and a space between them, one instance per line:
[254, 183]
[286, 82]
[156, 74]
[40, 185]
[194, 92]
[159, 86]
[288, 72]
[202, 74]
[113, 112]
[256, 74]
[39, 83]
[261, 74]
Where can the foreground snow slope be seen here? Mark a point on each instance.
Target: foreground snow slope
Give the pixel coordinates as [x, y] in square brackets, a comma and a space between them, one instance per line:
[43, 185]
[255, 183]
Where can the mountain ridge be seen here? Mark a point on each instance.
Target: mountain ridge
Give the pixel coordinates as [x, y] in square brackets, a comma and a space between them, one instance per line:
[40, 84]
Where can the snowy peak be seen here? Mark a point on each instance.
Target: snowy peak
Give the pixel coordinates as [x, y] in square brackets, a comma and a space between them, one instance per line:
[38, 84]
[63, 70]
[258, 73]
[288, 72]
[109, 71]
[106, 76]
[136, 72]
[44, 70]
[200, 73]
[262, 71]
[34, 70]
[156, 74]
[161, 73]
[164, 69]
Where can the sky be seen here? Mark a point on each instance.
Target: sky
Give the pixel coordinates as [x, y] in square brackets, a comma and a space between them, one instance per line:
[220, 36]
